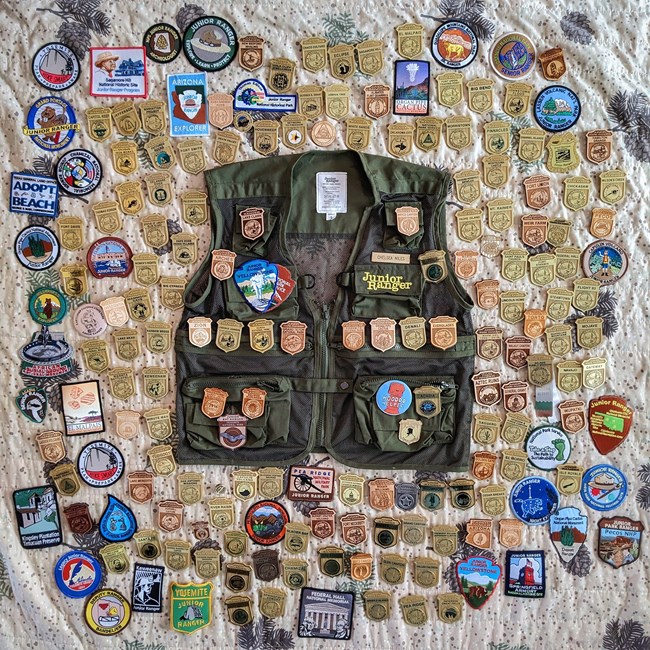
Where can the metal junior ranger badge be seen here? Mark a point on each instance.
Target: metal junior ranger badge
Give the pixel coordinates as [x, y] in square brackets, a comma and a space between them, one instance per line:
[265, 136]
[612, 186]
[238, 576]
[444, 539]
[433, 264]
[125, 157]
[341, 58]
[228, 336]
[107, 216]
[486, 428]
[432, 494]
[392, 568]
[360, 566]
[190, 606]
[293, 130]
[314, 53]
[480, 96]
[413, 529]
[148, 544]
[177, 554]
[223, 263]
[599, 145]
[450, 607]
[562, 153]
[377, 605]
[462, 493]
[487, 294]
[331, 561]
[75, 279]
[357, 133]
[235, 542]
[517, 99]
[450, 88]
[250, 55]
[465, 264]
[162, 460]
[468, 190]
[184, 248]
[310, 101]
[443, 332]
[410, 40]
[371, 57]
[100, 126]
[272, 602]
[140, 486]
[458, 132]
[531, 144]
[322, 523]
[126, 118]
[153, 116]
[414, 610]
[222, 513]
[427, 132]
[130, 197]
[245, 484]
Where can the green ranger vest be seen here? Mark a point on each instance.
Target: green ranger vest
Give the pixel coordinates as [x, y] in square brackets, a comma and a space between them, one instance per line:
[325, 214]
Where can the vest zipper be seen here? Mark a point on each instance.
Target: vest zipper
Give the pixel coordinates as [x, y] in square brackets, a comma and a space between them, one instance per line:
[322, 372]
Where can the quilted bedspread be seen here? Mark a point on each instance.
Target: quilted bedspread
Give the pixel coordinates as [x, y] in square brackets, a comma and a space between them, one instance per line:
[588, 604]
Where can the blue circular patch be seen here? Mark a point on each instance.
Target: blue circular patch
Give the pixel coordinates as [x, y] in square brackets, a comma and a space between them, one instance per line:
[51, 123]
[394, 397]
[513, 56]
[77, 574]
[557, 108]
[603, 487]
[533, 500]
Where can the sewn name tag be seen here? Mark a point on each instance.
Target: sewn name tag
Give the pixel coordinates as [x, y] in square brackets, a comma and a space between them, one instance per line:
[390, 258]
[331, 194]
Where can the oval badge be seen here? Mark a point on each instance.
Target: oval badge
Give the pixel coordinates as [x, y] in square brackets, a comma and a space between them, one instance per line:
[77, 574]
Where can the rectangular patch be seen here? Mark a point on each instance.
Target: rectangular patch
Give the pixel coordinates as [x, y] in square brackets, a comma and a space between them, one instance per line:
[390, 258]
[37, 515]
[325, 614]
[147, 592]
[411, 91]
[82, 408]
[525, 576]
[310, 484]
[188, 107]
[31, 194]
[331, 193]
[118, 72]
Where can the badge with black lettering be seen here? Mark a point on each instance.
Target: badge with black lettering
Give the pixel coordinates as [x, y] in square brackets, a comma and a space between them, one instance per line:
[71, 231]
[480, 96]
[107, 216]
[272, 602]
[226, 146]
[96, 355]
[147, 544]
[296, 539]
[511, 532]
[127, 343]
[465, 264]
[360, 566]
[486, 428]
[265, 136]
[569, 478]
[66, 480]
[353, 528]
[228, 337]
[270, 482]
[147, 592]
[413, 529]
[573, 416]
[126, 118]
[184, 248]
[414, 610]
[155, 382]
[337, 101]
[612, 186]
[468, 190]
[376, 605]
[515, 396]
[392, 568]
[400, 139]
[538, 191]
[594, 372]
[341, 58]
[238, 576]
[322, 523]
[496, 170]
[443, 332]
[294, 573]
[159, 424]
[513, 464]
[115, 558]
[100, 127]
[450, 88]
[462, 493]
[563, 154]
[153, 116]
[514, 262]
[382, 333]
[330, 561]
[432, 494]
[540, 369]
[351, 489]
[162, 460]
[140, 486]
[534, 229]
[138, 302]
[444, 539]
[585, 294]
[493, 500]
[427, 401]
[483, 463]
[559, 340]
[534, 323]
[239, 610]
[517, 99]
[450, 607]
[496, 136]
[354, 334]
[294, 130]
[222, 513]
[531, 144]
[261, 335]
[125, 157]
[489, 342]
[386, 531]
[515, 428]
[517, 350]
[157, 337]
[192, 155]
[130, 197]
[428, 131]
[310, 101]
[232, 430]
[487, 387]
[576, 192]
[458, 132]
[121, 382]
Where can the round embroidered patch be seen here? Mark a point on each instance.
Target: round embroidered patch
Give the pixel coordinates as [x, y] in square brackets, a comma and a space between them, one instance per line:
[533, 500]
[37, 248]
[603, 487]
[100, 464]
[107, 612]
[55, 66]
[109, 257]
[604, 261]
[266, 522]
[454, 45]
[77, 574]
[162, 43]
[557, 108]
[78, 172]
[47, 306]
[51, 123]
[513, 56]
[210, 43]
[547, 447]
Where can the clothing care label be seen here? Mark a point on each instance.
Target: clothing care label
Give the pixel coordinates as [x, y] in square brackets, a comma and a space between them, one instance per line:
[331, 194]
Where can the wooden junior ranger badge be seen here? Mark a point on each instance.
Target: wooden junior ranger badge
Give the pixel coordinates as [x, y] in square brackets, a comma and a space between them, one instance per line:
[487, 387]
[96, 355]
[341, 58]
[310, 101]
[322, 133]
[127, 424]
[427, 132]
[413, 529]
[126, 118]
[177, 554]
[145, 267]
[270, 482]
[450, 88]
[321, 522]
[462, 493]
[465, 264]
[576, 192]
[71, 232]
[594, 372]
[371, 57]
[148, 544]
[409, 431]
[265, 136]
[487, 293]
[558, 304]
[567, 262]
[199, 330]
[573, 415]
[244, 484]
[511, 532]
[602, 222]
[599, 145]
[170, 515]
[159, 424]
[272, 602]
[381, 493]
[281, 72]
[483, 463]
[152, 113]
[376, 605]
[314, 53]
[392, 568]
[432, 494]
[559, 341]
[410, 40]
[228, 336]
[293, 336]
[469, 224]
[407, 220]
[517, 99]
[226, 146]
[612, 186]
[553, 65]
[121, 382]
[444, 539]
[496, 136]
[542, 269]
[100, 127]
[517, 350]
[360, 566]
[161, 153]
[66, 480]
[223, 263]
[585, 294]
[534, 228]
[130, 197]
[207, 563]
[514, 262]
[400, 139]
[337, 101]
[540, 369]
[253, 402]
[414, 610]
[515, 428]
[480, 96]
[140, 486]
[235, 542]
[190, 487]
[512, 306]
[513, 464]
[468, 190]
[294, 130]
[450, 607]
[489, 342]
[192, 155]
[125, 157]
[562, 153]
[154, 228]
[108, 217]
[251, 53]
[296, 539]
[538, 191]
[331, 561]
[443, 332]
[357, 133]
[162, 460]
[184, 248]
[138, 303]
[158, 336]
[159, 188]
[79, 518]
[155, 382]
[458, 132]
[222, 513]
[589, 332]
[569, 478]
[515, 396]
[351, 489]
[261, 335]
[479, 531]
[486, 428]
[382, 333]
[115, 558]
[220, 112]
[531, 144]
[569, 376]
[51, 446]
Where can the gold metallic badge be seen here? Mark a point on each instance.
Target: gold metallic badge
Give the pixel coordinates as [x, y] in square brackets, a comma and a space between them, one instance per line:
[195, 207]
[192, 155]
[66, 479]
[432, 494]
[444, 539]
[223, 264]
[161, 153]
[207, 563]
[410, 40]
[493, 500]
[351, 489]
[235, 542]
[413, 332]
[265, 136]
[443, 332]
[512, 306]
[71, 232]
[376, 605]
[228, 336]
[517, 99]
[314, 53]
[172, 290]
[371, 56]
[594, 372]
[138, 302]
[238, 576]
[125, 157]
[177, 554]
[562, 153]
[115, 558]
[480, 96]
[145, 268]
[75, 279]
[154, 228]
[130, 197]
[121, 382]
[294, 573]
[159, 424]
[296, 539]
[153, 116]
[468, 190]
[458, 132]
[96, 355]
[272, 602]
[585, 294]
[126, 118]
[569, 478]
[331, 561]
[392, 568]
[589, 332]
[450, 607]
[337, 101]
[413, 529]
[148, 544]
[226, 146]
[190, 487]
[531, 144]
[250, 55]
[281, 72]
[599, 145]
[159, 188]
[99, 123]
[357, 133]
[496, 136]
[294, 130]
[341, 58]
[450, 88]
[261, 335]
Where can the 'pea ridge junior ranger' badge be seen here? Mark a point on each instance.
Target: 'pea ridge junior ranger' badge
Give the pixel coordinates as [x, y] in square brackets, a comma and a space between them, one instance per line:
[190, 606]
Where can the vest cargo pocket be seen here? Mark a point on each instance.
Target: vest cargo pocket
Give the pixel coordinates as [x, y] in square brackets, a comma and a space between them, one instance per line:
[263, 221]
[374, 427]
[394, 240]
[272, 427]
[391, 290]
[238, 308]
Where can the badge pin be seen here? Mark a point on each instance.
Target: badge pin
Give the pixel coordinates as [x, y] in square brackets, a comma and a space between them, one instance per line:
[486, 428]
[433, 264]
[152, 114]
[296, 539]
[107, 216]
[410, 40]
[125, 157]
[462, 493]
[314, 53]
[465, 264]
[272, 603]
[250, 57]
[184, 248]
[192, 156]
[222, 514]
[428, 132]
[140, 486]
[162, 460]
[432, 494]
[330, 561]
[400, 139]
[190, 606]
[100, 125]
[531, 144]
[513, 464]
[487, 387]
[468, 190]
[413, 529]
[235, 542]
[444, 539]
[71, 231]
[392, 568]
[155, 230]
[207, 563]
[480, 96]
[311, 102]
[130, 197]
[450, 88]
[377, 605]
[450, 607]
[159, 424]
[238, 576]
[599, 145]
[147, 544]
[563, 154]
[228, 336]
[510, 532]
[517, 99]
[351, 489]
[226, 144]
[386, 531]
[483, 463]
[479, 532]
[66, 479]
[443, 332]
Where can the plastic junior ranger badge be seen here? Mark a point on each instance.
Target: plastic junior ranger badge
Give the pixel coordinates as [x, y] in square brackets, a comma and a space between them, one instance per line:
[357, 133]
[177, 554]
[493, 500]
[100, 127]
[226, 146]
[140, 486]
[272, 602]
[296, 539]
[599, 145]
[235, 542]
[158, 423]
[51, 446]
[314, 53]
[427, 132]
[513, 464]
[161, 153]
[107, 612]
[559, 341]
[413, 529]
[480, 96]
[553, 65]
[159, 188]
[265, 136]
[130, 197]
[450, 88]
[569, 478]
[479, 531]
[444, 539]
[115, 311]
[531, 144]
[126, 118]
[443, 332]
[514, 262]
[294, 130]
[148, 544]
[619, 541]
[321, 521]
[427, 401]
[190, 487]
[585, 294]
[486, 428]
[465, 264]
[602, 222]
[489, 343]
[610, 420]
[540, 369]
[158, 336]
[483, 463]
[542, 269]
[153, 116]
[228, 336]
[538, 191]
[122, 382]
[370, 55]
[125, 157]
[222, 513]
[79, 519]
[281, 73]
[223, 264]
[244, 484]
[190, 606]
[162, 460]
[331, 560]
[468, 190]
[562, 153]
[410, 40]
[400, 138]
[341, 59]
[517, 99]
[458, 134]
[250, 55]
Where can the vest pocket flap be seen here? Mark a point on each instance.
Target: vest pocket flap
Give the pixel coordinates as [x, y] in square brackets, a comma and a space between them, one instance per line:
[391, 215]
[399, 222]
[388, 279]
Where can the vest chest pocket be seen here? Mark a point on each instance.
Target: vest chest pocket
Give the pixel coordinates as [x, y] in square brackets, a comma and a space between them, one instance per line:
[271, 427]
[404, 225]
[375, 427]
[391, 290]
[252, 230]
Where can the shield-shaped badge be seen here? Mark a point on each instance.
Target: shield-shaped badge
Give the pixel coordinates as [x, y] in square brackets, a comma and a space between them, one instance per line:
[602, 222]
[487, 387]
[483, 463]
[450, 88]
[612, 186]
[559, 340]
[558, 232]
[281, 73]
[479, 532]
[534, 323]
[573, 415]
[514, 263]
[351, 489]
[410, 40]
[576, 192]
[147, 544]
[223, 264]
[400, 139]
[158, 423]
[354, 335]
[610, 421]
[232, 431]
[66, 479]
[360, 566]
[293, 336]
[341, 58]
[331, 560]
[121, 382]
[558, 304]
[450, 607]
[125, 157]
[51, 446]
[567, 261]
[511, 306]
[214, 402]
[458, 132]
[79, 518]
[170, 515]
[511, 532]
[192, 157]
[413, 332]
[321, 521]
[542, 269]
[382, 333]
[337, 101]
[162, 460]
[563, 154]
[381, 493]
[314, 53]
[222, 514]
[497, 136]
[253, 402]
[272, 602]
[115, 558]
[371, 56]
[190, 487]
[152, 113]
[540, 369]
[569, 376]
[406, 495]
[538, 191]
[130, 197]
[100, 126]
[413, 530]
[443, 332]
[569, 478]
[427, 133]
[138, 303]
[462, 493]
[107, 216]
[127, 424]
[154, 228]
[226, 146]
[75, 280]
[487, 293]
[386, 531]
[376, 100]
[531, 144]
[250, 56]
[238, 576]
[486, 428]
[432, 494]
[515, 428]
[220, 111]
[140, 486]
[589, 331]
[619, 541]
[228, 336]
[155, 381]
[427, 401]
[407, 220]
[161, 153]
[270, 482]
[392, 568]
[261, 335]
[71, 232]
[177, 554]
[493, 500]
[190, 606]
[296, 539]
[265, 136]
[126, 118]
[146, 269]
[294, 573]
[127, 343]
[310, 101]
[489, 342]
[357, 133]
[244, 485]
[599, 145]
[480, 96]
[513, 464]
[585, 294]
[553, 65]
[444, 539]
[465, 264]
[235, 542]
[96, 355]
[468, 190]
[294, 130]
[207, 563]
[534, 229]
[517, 99]
[199, 331]
[184, 248]
[568, 528]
